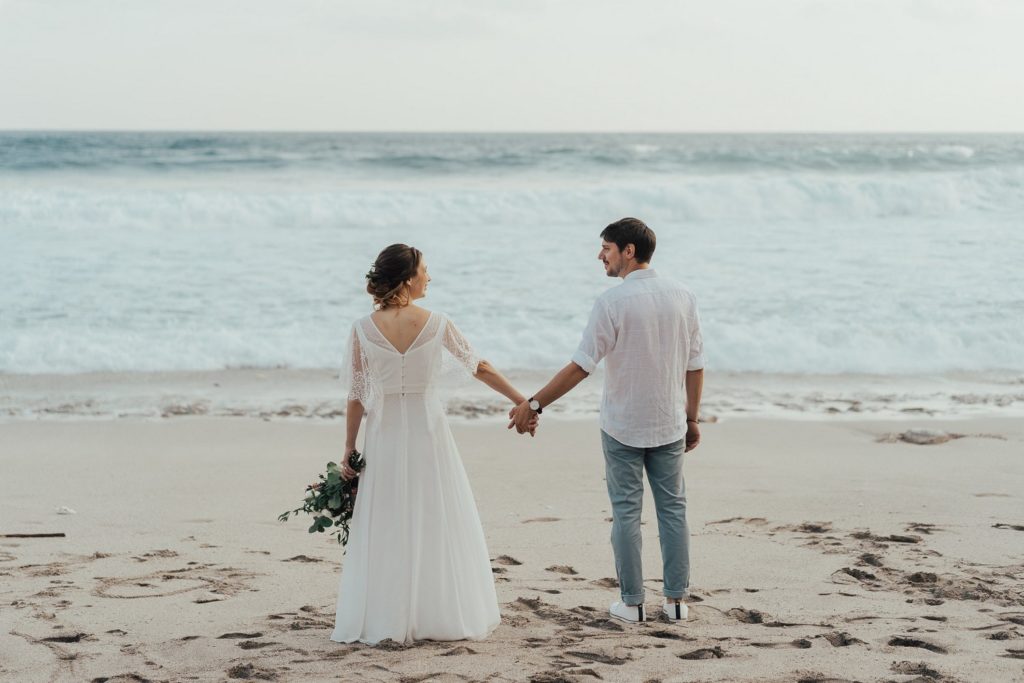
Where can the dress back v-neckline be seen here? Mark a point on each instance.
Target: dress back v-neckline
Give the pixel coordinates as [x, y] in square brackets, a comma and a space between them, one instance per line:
[412, 345]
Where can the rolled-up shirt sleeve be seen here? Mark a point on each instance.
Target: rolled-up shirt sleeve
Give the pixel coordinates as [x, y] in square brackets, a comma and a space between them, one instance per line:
[695, 359]
[598, 338]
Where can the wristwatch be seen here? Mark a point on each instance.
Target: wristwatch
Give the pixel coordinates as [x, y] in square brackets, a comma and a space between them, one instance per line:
[535, 406]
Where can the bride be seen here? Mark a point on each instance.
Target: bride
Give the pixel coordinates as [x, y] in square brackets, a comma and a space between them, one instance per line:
[417, 565]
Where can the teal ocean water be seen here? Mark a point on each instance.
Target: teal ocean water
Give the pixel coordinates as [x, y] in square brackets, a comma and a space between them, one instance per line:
[809, 254]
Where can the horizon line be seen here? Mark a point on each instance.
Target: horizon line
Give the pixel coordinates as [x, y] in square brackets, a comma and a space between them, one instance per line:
[295, 131]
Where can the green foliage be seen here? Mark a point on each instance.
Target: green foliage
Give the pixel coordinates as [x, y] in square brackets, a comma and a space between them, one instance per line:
[331, 500]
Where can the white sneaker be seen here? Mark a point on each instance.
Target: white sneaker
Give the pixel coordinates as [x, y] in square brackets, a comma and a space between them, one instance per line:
[632, 613]
[675, 611]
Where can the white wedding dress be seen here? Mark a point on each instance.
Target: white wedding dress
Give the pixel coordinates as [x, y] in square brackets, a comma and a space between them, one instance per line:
[416, 565]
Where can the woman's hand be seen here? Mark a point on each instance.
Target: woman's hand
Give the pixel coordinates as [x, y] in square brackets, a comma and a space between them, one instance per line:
[347, 472]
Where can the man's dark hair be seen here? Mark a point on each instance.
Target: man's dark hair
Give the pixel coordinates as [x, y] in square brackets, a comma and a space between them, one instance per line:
[632, 231]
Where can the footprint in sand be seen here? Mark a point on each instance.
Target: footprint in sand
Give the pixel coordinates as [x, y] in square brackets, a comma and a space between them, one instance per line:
[916, 669]
[748, 616]
[753, 616]
[754, 521]
[303, 558]
[155, 554]
[851, 575]
[542, 519]
[871, 559]
[799, 644]
[562, 569]
[715, 652]
[840, 639]
[1003, 635]
[606, 582]
[1003, 525]
[666, 634]
[599, 657]
[514, 620]
[904, 641]
[891, 538]
[570, 619]
[919, 437]
[51, 569]
[507, 560]
[312, 618]
[252, 671]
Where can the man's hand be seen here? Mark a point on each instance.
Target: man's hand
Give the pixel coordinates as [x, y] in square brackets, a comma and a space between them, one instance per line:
[692, 436]
[523, 419]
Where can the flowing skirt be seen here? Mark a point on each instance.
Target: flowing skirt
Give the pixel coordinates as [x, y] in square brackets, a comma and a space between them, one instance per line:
[416, 566]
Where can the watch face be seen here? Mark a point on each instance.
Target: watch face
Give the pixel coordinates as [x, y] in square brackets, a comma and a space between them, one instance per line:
[534, 404]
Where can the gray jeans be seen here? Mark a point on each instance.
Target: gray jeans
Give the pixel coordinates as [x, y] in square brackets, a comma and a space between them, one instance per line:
[624, 471]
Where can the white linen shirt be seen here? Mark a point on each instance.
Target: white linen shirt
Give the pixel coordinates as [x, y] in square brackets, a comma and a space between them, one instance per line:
[647, 331]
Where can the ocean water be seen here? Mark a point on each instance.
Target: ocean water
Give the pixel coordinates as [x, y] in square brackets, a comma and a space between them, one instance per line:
[809, 254]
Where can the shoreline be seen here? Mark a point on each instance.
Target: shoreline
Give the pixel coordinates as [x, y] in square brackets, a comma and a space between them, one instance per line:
[281, 393]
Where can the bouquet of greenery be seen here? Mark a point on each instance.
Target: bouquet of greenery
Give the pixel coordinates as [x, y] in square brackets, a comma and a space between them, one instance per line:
[332, 499]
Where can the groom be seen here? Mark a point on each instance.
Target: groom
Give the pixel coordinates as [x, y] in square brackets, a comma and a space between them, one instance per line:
[648, 332]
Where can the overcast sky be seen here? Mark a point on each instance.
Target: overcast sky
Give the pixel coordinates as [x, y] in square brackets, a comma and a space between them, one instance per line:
[513, 65]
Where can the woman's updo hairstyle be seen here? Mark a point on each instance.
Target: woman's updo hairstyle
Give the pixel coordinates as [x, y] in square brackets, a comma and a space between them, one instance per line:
[387, 277]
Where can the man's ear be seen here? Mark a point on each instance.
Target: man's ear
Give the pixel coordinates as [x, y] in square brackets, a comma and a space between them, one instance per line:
[629, 251]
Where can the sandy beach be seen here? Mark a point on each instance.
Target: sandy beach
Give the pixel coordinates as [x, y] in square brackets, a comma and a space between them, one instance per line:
[824, 550]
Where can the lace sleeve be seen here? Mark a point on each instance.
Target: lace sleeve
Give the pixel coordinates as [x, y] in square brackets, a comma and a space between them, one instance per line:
[355, 371]
[460, 348]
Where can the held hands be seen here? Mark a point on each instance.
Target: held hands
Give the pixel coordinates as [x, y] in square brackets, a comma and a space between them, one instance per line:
[523, 419]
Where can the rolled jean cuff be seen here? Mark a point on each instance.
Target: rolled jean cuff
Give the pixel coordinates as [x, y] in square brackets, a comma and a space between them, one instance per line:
[676, 594]
[633, 600]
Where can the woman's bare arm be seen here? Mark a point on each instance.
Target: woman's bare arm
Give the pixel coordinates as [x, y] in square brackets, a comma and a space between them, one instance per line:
[489, 375]
[353, 419]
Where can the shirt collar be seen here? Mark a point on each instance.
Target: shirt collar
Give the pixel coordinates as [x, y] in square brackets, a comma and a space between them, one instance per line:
[640, 274]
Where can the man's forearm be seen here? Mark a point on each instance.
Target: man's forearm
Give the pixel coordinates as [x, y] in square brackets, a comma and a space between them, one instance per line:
[694, 385]
[561, 384]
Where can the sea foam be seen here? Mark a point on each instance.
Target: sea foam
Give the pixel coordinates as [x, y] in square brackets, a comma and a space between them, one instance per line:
[808, 254]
